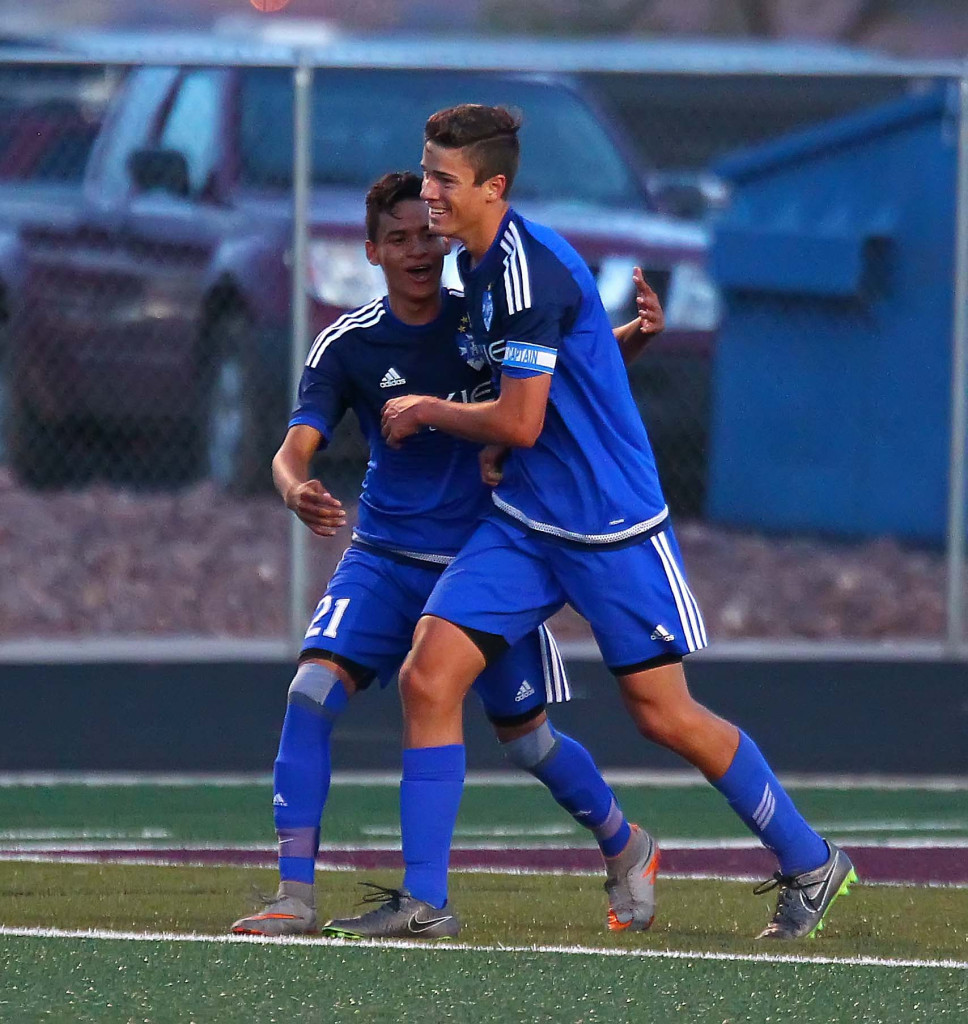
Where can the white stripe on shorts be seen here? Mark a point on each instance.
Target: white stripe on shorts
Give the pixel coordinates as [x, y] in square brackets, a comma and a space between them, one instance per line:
[695, 616]
[689, 617]
[557, 688]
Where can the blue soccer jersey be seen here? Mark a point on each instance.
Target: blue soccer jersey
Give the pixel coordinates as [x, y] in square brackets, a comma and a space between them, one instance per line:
[534, 308]
[425, 497]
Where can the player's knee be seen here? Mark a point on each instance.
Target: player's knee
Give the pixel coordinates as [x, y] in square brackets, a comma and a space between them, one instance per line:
[318, 689]
[416, 684]
[533, 749]
[423, 691]
[668, 726]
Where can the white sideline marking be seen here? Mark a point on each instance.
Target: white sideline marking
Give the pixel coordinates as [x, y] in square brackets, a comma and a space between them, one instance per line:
[452, 947]
[481, 831]
[668, 779]
[27, 834]
[672, 843]
[891, 826]
[323, 865]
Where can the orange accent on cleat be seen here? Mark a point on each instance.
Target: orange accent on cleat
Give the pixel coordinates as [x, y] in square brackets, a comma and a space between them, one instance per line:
[614, 924]
[283, 915]
[630, 883]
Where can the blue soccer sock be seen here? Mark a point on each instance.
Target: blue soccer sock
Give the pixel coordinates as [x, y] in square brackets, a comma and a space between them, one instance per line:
[433, 780]
[573, 779]
[301, 773]
[756, 795]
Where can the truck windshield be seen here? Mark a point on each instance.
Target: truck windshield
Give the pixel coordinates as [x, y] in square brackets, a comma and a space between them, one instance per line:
[368, 122]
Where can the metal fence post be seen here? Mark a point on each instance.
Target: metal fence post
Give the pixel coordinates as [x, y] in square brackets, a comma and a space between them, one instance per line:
[959, 392]
[299, 344]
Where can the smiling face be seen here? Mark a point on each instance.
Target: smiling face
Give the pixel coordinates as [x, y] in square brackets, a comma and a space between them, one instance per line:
[459, 208]
[412, 259]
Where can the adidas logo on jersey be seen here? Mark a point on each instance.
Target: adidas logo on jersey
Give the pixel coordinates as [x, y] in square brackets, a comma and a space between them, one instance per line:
[525, 690]
[392, 379]
[661, 633]
[279, 801]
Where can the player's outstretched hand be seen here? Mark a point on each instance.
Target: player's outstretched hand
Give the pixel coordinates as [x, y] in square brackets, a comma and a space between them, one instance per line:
[492, 461]
[651, 317]
[401, 418]
[317, 508]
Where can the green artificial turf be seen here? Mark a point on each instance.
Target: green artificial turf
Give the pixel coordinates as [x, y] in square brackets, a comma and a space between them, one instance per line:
[370, 813]
[154, 983]
[876, 921]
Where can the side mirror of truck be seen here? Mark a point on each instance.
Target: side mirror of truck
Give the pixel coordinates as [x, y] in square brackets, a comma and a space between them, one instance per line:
[687, 195]
[159, 169]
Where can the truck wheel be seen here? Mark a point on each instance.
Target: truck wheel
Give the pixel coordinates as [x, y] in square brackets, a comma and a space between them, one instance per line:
[234, 434]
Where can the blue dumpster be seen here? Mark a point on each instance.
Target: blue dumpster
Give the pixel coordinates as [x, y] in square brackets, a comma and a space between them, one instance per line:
[831, 402]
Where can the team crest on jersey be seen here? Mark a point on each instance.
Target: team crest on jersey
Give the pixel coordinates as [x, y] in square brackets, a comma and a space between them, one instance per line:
[487, 309]
[471, 351]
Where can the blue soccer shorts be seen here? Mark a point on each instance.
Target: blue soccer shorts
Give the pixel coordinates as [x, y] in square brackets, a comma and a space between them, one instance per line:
[368, 614]
[506, 580]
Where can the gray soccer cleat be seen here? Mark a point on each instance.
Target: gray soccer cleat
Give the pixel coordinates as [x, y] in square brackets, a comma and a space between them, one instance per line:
[283, 915]
[630, 884]
[804, 899]
[399, 916]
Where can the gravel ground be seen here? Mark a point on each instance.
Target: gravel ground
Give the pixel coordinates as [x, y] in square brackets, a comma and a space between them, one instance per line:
[111, 562]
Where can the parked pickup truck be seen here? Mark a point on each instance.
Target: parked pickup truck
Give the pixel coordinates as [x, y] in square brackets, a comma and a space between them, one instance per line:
[149, 309]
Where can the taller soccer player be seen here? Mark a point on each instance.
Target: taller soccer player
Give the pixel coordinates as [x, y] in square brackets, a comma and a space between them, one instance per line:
[578, 517]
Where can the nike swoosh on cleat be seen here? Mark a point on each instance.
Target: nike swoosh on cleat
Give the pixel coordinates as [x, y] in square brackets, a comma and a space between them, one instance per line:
[814, 903]
[417, 926]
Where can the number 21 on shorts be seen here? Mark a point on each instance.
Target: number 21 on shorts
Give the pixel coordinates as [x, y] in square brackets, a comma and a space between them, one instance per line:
[327, 605]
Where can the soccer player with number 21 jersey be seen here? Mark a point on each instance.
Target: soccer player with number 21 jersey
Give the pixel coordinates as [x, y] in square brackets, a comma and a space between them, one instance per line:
[578, 517]
[419, 504]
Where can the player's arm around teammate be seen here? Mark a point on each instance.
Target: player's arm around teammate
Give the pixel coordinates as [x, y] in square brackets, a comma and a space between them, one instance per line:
[648, 324]
[632, 338]
[516, 417]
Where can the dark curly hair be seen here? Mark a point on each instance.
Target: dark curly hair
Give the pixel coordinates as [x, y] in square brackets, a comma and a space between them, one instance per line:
[488, 134]
[384, 195]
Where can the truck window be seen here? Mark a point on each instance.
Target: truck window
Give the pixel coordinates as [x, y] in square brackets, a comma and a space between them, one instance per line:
[192, 125]
[143, 94]
[47, 143]
[368, 122]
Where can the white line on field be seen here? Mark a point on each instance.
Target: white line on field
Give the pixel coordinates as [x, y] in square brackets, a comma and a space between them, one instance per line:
[27, 834]
[666, 779]
[672, 843]
[454, 947]
[891, 826]
[323, 865]
[482, 831]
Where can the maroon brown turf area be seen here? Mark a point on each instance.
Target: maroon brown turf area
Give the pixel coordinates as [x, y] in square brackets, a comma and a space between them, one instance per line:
[904, 866]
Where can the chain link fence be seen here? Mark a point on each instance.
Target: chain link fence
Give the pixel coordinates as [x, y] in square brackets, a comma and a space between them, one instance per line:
[146, 254]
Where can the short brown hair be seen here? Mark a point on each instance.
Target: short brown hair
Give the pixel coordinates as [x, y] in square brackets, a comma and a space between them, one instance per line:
[384, 195]
[489, 134]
